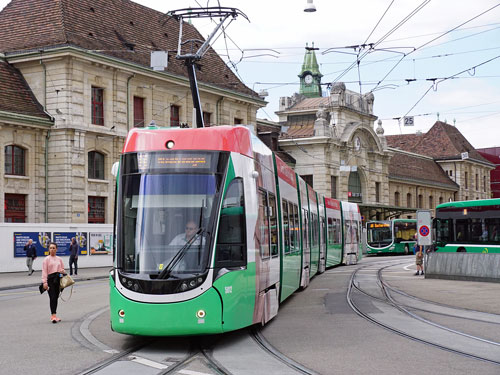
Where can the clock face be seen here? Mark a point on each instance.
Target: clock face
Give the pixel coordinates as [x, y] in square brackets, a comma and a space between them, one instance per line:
[308, 79]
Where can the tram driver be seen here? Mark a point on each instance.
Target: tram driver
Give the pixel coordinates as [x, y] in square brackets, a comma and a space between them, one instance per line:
[191, 258]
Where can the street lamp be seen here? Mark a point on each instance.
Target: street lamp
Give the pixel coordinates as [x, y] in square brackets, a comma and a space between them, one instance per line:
[310, 7]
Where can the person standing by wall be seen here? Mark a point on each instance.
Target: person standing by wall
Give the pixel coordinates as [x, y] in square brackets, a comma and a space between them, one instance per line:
[30, 250]
[52, 268]
[73, 256]
[419, 259]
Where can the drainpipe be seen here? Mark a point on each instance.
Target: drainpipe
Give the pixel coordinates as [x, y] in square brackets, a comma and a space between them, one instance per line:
[128, 100]
[218, 112]
[46, 142]
[47, 176]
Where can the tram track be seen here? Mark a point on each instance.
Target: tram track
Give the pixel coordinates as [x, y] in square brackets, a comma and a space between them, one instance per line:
[357, 297]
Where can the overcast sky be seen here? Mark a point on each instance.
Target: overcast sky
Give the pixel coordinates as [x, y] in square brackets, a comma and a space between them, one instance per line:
[416, 42]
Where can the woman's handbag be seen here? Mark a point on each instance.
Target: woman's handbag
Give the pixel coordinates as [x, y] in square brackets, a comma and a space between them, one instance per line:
[66, 281]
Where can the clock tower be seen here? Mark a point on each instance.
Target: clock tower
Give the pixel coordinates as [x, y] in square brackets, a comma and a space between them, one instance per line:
[310, 76]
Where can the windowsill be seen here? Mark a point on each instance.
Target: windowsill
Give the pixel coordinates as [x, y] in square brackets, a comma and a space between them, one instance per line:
[15, 176]
[98, 181]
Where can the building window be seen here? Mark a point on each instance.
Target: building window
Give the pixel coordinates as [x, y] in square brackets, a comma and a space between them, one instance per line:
[14, 160]
[484, 183]
[238, 121]
[354, 193]
[96, 165]
[15, 208]
[377, 191]
[396, 198]
[96, 210]
[174, 115]
[97, 106]
[333, 180]
[308, 178]
[431, 202]
[138, 112]
[477, 182]
[420, 203]
[441, 200]
[207, 119]
[451, 173]
[408, 200]
[466, 180]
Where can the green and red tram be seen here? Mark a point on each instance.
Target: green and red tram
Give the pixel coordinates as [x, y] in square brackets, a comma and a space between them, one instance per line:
[391, 236]
[214, 231]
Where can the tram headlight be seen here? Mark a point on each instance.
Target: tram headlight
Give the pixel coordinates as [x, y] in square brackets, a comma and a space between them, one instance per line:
[170, 144]
[121, 313]
[200, 314]
[184, 286]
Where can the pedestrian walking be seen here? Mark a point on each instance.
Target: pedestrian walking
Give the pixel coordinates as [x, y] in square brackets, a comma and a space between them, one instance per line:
[73, 256]
[52, 271]
[30, 250]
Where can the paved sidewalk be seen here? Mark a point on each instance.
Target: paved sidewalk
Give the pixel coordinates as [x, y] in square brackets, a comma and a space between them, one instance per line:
[12, 280]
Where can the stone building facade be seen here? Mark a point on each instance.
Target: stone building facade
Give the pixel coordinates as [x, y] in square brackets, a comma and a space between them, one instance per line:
[336, 148]
[88, 81]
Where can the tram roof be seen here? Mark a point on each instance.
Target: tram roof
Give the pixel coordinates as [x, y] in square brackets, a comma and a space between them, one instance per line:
[217, 138]
[472, 203]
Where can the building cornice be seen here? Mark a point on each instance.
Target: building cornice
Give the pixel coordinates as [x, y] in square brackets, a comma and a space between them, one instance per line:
[423, 183]
[13, 118]
[456, 159]
[69, 50]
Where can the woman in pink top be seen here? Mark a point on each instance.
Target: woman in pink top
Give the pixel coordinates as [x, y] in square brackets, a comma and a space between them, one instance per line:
[52, 268]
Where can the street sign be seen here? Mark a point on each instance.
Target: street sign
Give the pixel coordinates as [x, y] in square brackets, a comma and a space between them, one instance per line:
[424, 225]
[408, 121]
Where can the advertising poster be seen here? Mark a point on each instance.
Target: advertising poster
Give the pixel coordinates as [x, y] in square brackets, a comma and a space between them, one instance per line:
[41, 241]
[100, 243]
[63, 241]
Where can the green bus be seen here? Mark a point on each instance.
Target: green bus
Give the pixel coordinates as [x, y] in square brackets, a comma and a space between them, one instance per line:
[391, 236]
[468, 226]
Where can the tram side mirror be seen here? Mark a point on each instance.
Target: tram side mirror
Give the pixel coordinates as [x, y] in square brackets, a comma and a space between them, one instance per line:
[115, 168]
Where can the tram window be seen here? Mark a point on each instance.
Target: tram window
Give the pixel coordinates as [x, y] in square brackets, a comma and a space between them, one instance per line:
[322, 232]
[305, 228]
[443, 230]
[476, 230]
[263, 225]
[331, 231]
[231, 239]
[314, 222]
[286, 227]
[493, 227]
[273, 221]
[462, 230]
[338, 230]
[295, 227]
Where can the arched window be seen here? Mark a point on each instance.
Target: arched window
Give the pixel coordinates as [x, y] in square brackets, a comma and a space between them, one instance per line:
[408, 200]
[96, 165]
[15, 160]
[431, 202]
[354, 192]
[396, 198]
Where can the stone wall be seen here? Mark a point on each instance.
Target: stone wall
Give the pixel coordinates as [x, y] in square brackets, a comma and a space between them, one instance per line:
[463, 266]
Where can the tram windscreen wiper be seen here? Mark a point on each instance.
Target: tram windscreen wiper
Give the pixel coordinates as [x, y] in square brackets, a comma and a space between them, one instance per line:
[180, 254]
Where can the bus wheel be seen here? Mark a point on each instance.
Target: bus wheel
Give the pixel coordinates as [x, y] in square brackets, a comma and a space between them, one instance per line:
[461, 250]
[407, 249]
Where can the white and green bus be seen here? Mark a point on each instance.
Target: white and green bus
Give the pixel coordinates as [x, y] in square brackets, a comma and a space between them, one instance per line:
[468, 226]
[391, 236]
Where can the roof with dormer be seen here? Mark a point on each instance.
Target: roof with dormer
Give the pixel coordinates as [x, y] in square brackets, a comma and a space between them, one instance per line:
[414, 168]
[121, 29]
[442, 141]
